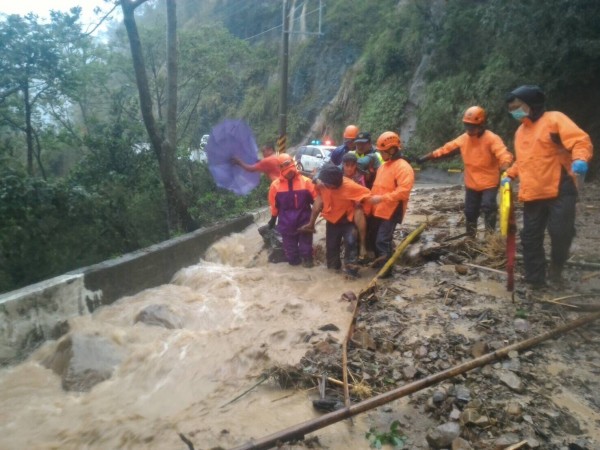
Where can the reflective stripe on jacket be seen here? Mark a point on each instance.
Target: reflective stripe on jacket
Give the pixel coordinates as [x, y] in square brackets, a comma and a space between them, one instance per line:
[342, 201]
[394, 181]
[291, 201]
[482, 156]
[543, 148]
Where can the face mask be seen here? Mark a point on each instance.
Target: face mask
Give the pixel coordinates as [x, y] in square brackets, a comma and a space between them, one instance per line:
[518, 113]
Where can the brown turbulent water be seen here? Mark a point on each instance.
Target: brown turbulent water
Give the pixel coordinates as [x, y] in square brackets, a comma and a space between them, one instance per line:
[240, 316]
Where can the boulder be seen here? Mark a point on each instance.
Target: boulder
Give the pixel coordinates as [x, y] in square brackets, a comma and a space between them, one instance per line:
[84, 360]
[160, 316]
[443, 435]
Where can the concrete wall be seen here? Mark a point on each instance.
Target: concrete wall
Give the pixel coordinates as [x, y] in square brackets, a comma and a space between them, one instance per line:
[35, 313]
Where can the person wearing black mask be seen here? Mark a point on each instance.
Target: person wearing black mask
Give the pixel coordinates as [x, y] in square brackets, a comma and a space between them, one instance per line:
[551, 151]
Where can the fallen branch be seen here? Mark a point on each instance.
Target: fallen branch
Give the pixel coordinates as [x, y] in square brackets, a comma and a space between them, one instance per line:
[489, 269]
[298, 431]
[517, 445]
[187, 441]
[370, 287]
[261, 381]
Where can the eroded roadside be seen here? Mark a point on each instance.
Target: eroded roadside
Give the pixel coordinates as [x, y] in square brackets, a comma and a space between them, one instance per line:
[447, 303]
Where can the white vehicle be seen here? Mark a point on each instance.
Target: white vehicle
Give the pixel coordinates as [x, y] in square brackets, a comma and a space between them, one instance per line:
[198, 155]
[309, 158]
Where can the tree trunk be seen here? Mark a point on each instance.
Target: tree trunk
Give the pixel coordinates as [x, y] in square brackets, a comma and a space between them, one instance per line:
[164, 148]
[28, 130]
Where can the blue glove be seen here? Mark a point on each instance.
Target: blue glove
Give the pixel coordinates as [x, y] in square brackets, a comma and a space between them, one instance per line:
[505, 180]
[580, 167]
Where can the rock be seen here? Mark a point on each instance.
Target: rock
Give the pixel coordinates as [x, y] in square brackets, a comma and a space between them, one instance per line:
[521, 325]
[469, 417]
[409, 372]
[329, 327]
[386, 347]
[511, 364]
[439, 396]
[505, 440]
[455, 415]
[513, 409]
[362, 339]
[325, 348]
[461, 269]
[421, 352]
[443, 435]
[462, 394]
[84, 360]
[511, 380]
[461, 444]
[479, 348]
[160, 316]
[496, 345]
[348, 296]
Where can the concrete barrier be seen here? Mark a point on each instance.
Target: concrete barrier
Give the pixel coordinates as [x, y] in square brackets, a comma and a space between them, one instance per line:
[38, 312]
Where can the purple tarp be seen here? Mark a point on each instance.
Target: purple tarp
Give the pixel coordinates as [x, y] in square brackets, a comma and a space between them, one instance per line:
[228, 139]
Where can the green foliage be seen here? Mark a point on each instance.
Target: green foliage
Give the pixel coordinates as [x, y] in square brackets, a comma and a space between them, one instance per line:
[521, 313]
[393, 437]
[214, 204]
[380, 61]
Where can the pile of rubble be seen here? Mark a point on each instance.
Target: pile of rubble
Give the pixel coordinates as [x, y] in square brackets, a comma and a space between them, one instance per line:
[447, 304]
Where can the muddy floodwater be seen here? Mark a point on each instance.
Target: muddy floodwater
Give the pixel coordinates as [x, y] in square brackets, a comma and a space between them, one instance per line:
[240, 316]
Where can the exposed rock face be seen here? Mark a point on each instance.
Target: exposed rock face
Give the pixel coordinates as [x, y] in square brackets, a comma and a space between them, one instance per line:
[84, 360]
[160, 316]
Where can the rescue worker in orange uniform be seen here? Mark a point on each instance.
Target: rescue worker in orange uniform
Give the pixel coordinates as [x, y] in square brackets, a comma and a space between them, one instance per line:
[350, 135]
[337, 200]
[269, 165]
[485, 157]
[290, 198]
[391, 190]
[551, 150]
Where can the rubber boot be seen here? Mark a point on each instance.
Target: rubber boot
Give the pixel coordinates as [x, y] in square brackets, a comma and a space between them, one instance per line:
[307, 262]
[489, 220]
[554, 276]
[472, 229]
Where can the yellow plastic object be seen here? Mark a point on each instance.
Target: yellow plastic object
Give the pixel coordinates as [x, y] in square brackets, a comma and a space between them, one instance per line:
[505, 194]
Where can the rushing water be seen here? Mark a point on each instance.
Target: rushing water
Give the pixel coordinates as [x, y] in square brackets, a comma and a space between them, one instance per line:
[241, 316]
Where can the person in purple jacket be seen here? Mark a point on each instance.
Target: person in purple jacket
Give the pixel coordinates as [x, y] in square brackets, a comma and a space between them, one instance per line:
[291, 197]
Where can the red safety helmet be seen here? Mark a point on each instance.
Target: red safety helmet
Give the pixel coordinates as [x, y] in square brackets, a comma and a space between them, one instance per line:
[388, 140]
[475, 115]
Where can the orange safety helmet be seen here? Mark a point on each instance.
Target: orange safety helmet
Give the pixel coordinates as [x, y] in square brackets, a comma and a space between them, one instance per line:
[474, 115]
[388, 140]
[351, 132]
[286, 163]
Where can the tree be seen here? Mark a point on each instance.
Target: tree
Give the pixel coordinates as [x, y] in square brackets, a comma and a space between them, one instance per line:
[164, 143]
[34, 65]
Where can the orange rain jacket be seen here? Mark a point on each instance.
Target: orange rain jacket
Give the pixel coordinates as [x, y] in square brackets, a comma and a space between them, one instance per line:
[483, 157]
[342, 201]
[291, 201]
[394, 181]
[543, 148]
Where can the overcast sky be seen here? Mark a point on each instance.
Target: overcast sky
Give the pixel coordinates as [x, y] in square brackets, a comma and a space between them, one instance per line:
[42, 8]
